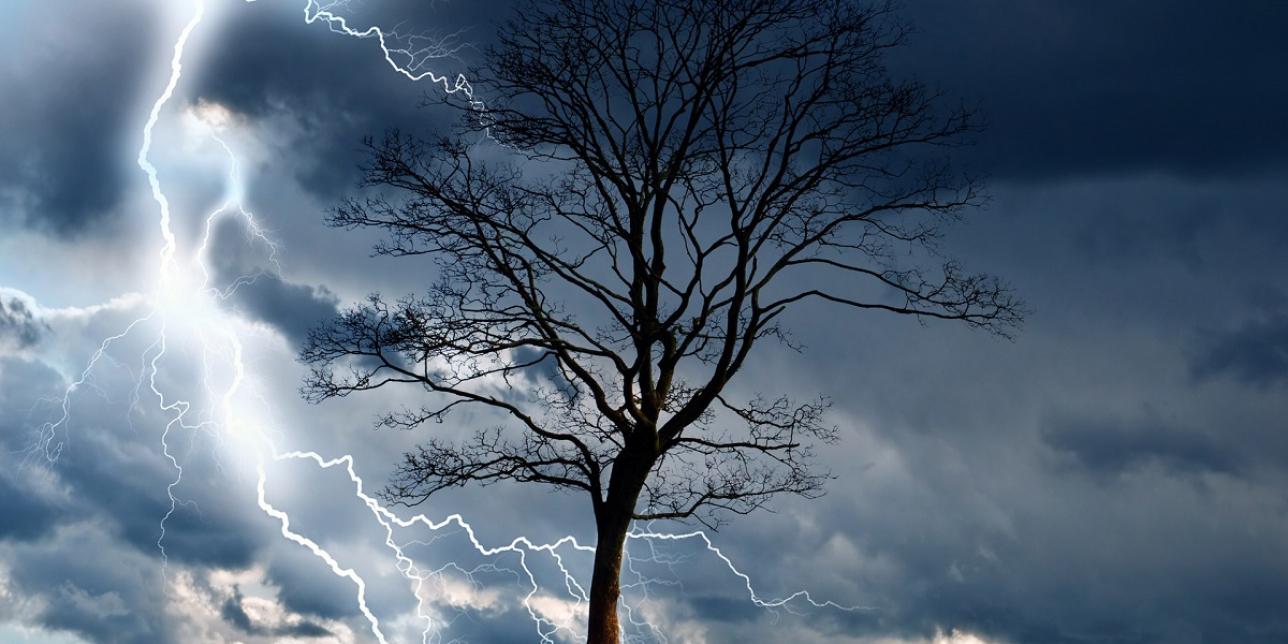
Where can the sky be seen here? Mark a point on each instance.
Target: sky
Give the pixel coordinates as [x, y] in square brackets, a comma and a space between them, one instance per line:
[1116, 472]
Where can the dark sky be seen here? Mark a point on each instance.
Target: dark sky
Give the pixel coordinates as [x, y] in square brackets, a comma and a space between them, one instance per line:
[1116, 473]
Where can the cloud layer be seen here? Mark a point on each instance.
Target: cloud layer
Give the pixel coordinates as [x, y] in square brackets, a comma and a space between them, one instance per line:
[1115, 474]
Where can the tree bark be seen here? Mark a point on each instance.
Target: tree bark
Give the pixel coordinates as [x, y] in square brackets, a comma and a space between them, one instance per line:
[613, 521]
[605, 584]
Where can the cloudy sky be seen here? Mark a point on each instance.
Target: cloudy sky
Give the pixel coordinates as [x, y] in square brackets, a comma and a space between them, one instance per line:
[1116, 473]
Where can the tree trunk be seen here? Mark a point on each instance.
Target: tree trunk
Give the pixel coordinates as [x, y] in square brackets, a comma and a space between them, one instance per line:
[613, 521]
[605, 582]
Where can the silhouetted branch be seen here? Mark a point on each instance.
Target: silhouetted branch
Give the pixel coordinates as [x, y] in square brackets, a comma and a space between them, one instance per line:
[677, 175]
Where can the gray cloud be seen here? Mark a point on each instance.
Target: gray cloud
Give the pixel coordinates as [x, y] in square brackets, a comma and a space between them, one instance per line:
[18, 324]
[1255, 353]
[260, 293]
[1111, 88]
[79, 535]
[337, 90]
[232, 612]
[307, 588]
[115, 595]
[28, 516]
[293, 309]
[1113, 446]
[66, 111]
[104, 498]
[1021, 491]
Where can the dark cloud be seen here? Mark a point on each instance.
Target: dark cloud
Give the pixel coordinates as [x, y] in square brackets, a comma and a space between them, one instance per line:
[1077, 484]
[27, 513]
[1113, 446]
[512, 625]
[336, 89]
[117, 476]
[310, 589]
[112, 596]
[18, 324]
[23, 384]
[303, 629]
[293, 309]
[63, 158]
[79, 536]
[725, 609]
[1100, 88]
[233, 613]
[260, 293]
[1255, 353]
[109, 486]
[948, 511]
[547, 369]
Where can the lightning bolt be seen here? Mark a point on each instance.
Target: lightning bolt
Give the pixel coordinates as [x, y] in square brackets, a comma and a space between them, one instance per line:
[183, 286]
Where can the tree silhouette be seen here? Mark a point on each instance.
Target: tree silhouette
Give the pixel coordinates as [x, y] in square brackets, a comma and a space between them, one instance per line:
[674, 176]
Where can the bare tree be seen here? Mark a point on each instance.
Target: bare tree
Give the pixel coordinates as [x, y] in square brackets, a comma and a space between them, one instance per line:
[674, 177]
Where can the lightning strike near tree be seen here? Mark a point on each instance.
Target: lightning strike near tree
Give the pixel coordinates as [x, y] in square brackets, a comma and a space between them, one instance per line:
[184, 286]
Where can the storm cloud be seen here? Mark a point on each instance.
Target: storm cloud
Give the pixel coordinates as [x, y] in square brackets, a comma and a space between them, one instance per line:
[19, 327]
[67, 111]
[1110, 88]
[1255, 353]
[1115, 473]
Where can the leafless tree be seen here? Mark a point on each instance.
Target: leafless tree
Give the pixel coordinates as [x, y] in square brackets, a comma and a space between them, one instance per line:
[673, 177]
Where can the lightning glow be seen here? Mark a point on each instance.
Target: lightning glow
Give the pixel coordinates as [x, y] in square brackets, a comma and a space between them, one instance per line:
[184, 296]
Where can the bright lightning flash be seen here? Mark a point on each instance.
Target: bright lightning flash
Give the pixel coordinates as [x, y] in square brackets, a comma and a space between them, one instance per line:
[184, 297]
